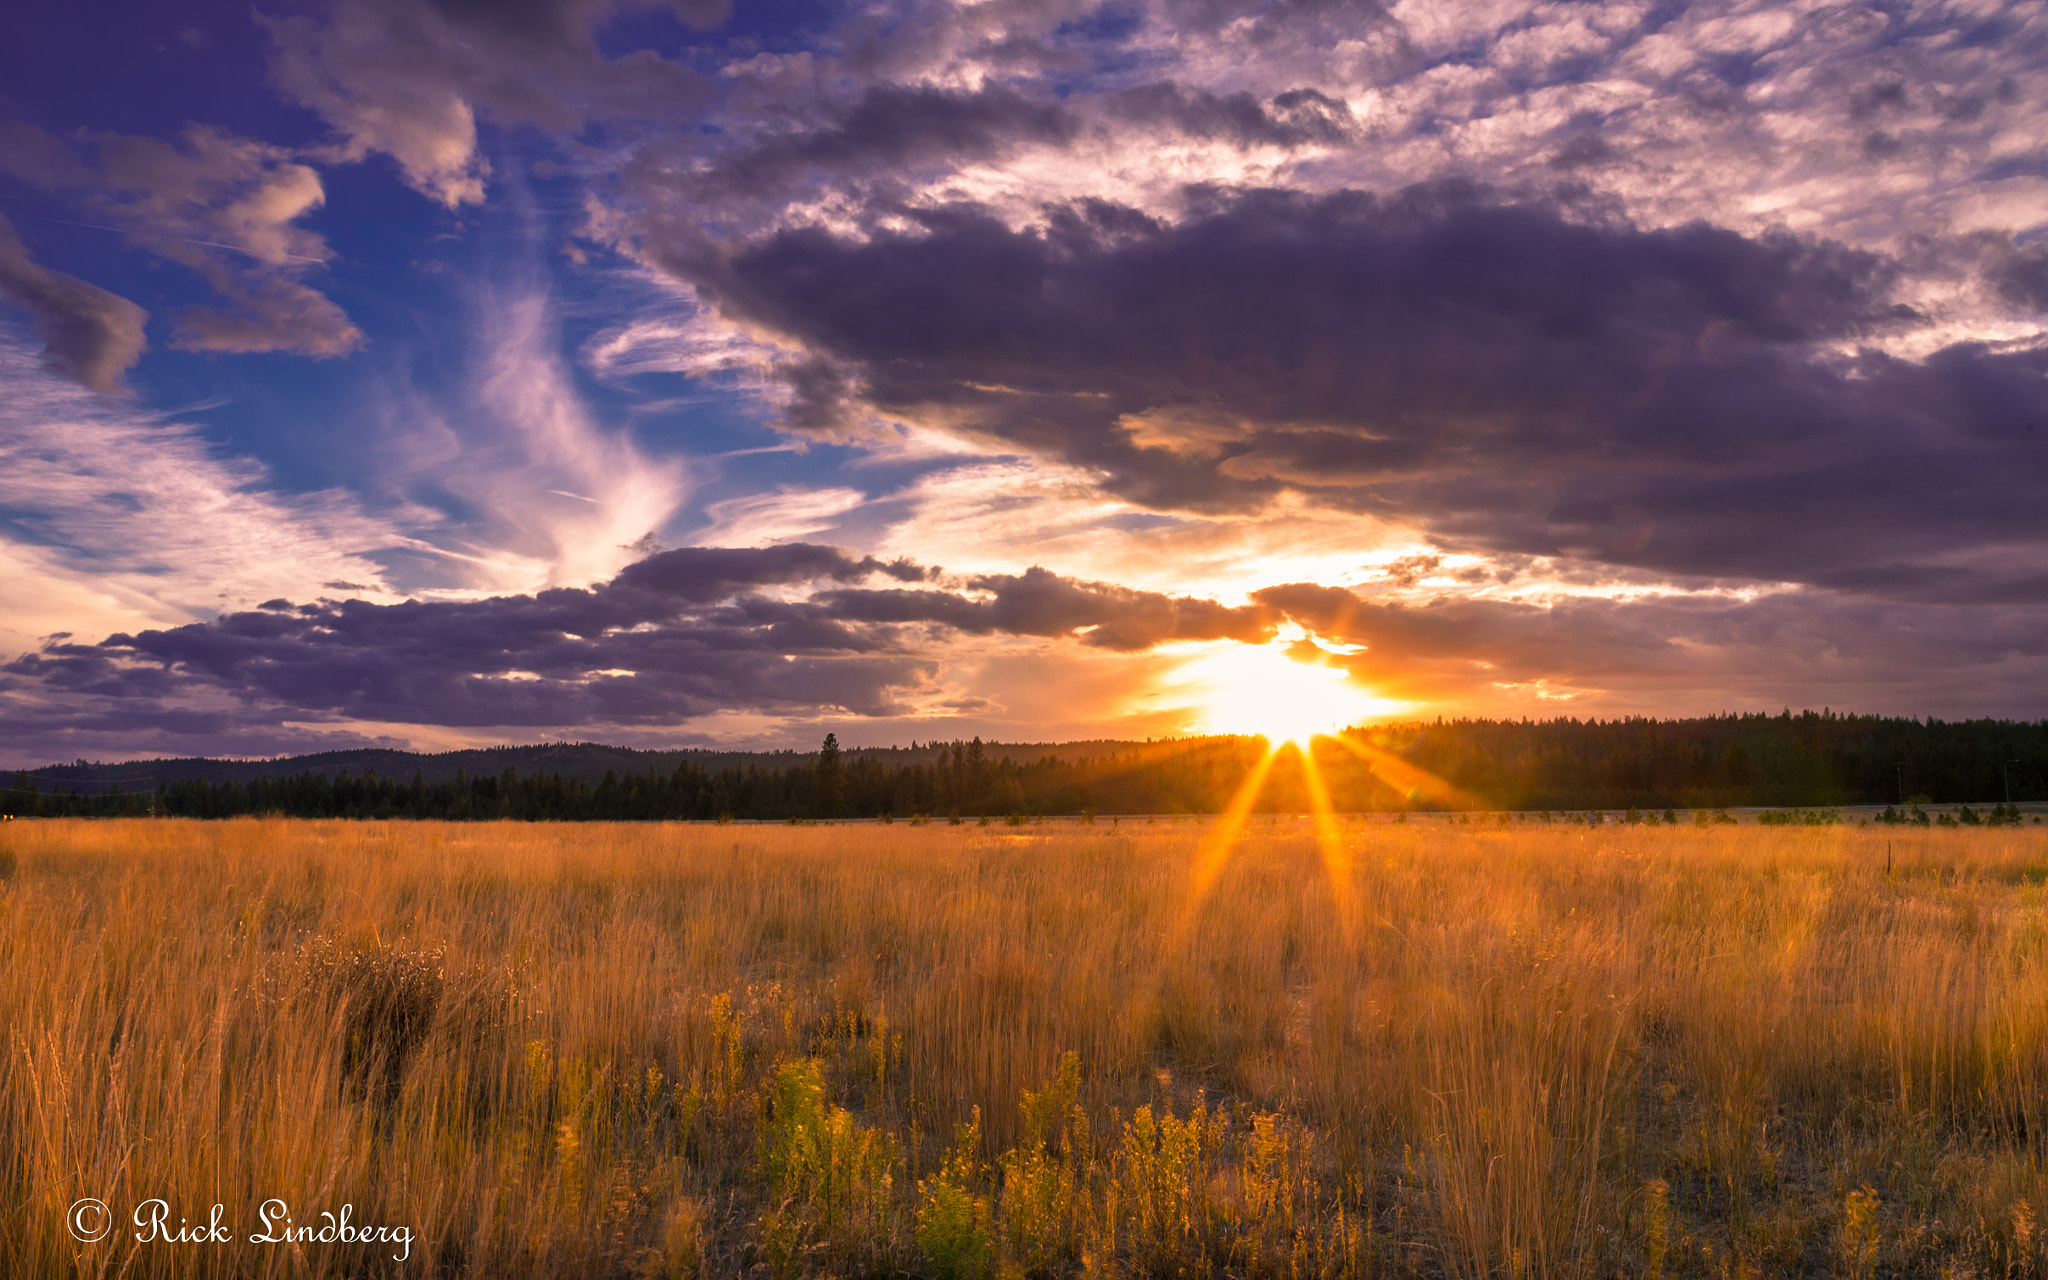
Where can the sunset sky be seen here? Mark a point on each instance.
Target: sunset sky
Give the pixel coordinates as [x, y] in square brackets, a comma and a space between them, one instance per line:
[666, 374]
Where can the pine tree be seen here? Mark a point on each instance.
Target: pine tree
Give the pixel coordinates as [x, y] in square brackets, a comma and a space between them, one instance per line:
[831, 778]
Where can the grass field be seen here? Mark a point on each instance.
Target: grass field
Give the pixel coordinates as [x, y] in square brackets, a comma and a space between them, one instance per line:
[1355, 1049]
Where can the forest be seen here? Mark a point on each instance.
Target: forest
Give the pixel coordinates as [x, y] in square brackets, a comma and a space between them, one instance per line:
[1787, 760]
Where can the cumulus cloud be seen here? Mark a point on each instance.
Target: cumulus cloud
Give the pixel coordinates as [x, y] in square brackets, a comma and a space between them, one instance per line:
[802, 631]
[1698, 653]
[891, 130]
[225, 207]
[682, 634]
[89, 335]
[407, 80]
[1499, 373]
[1038, 602]
[1872, 125]
[1297, 117]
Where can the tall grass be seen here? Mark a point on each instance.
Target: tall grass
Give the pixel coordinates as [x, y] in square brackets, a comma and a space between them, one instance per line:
[840, 1050]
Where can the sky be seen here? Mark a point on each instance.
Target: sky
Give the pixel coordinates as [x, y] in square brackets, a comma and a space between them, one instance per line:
[438, 373]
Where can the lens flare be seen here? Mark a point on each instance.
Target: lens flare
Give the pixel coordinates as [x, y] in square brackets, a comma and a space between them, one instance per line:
[1406, 779]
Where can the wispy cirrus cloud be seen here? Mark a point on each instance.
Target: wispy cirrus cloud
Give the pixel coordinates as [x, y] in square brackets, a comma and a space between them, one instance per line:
[116, 517]
[536, 489]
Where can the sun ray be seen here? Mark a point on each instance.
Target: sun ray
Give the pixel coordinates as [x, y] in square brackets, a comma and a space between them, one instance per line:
[1405, 778]
[1215, 850]
[1330, 841]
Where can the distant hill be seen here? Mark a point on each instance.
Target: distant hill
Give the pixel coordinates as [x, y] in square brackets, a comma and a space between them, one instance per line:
[574, 761]
[1747, 760]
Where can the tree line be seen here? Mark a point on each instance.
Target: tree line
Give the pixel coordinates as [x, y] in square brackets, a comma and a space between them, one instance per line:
[1806, 760]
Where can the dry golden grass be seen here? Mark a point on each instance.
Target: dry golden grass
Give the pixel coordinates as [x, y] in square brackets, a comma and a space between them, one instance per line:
[678, 1050]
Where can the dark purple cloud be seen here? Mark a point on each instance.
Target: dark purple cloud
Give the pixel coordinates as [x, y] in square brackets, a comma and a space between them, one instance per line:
[1514, 377]
[680, 634]
[2022, 279]
[409, 79]
[1297, 117]
[222, 206]
[889, 131]
[1038, 602]
[90, 335]
[1700, 652]
[793, 631]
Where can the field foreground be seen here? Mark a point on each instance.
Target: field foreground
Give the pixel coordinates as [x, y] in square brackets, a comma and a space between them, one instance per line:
[1348, 1050]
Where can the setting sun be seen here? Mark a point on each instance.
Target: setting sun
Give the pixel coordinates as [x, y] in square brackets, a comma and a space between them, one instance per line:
[1259, 689]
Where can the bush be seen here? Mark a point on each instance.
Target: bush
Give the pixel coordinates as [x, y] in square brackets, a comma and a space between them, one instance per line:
[384, 998]
[955, 1227]
[829, 1177]
[1800, 818]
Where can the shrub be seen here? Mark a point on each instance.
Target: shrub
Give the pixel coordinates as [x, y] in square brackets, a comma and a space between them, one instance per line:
[384, 1000]
[1657, 1224]
[955, 1227]
[829, 1178]
[1044, 1180]
[1856, 1239]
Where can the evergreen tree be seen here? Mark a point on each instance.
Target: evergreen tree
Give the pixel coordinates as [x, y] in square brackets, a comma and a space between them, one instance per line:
[831, 778]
